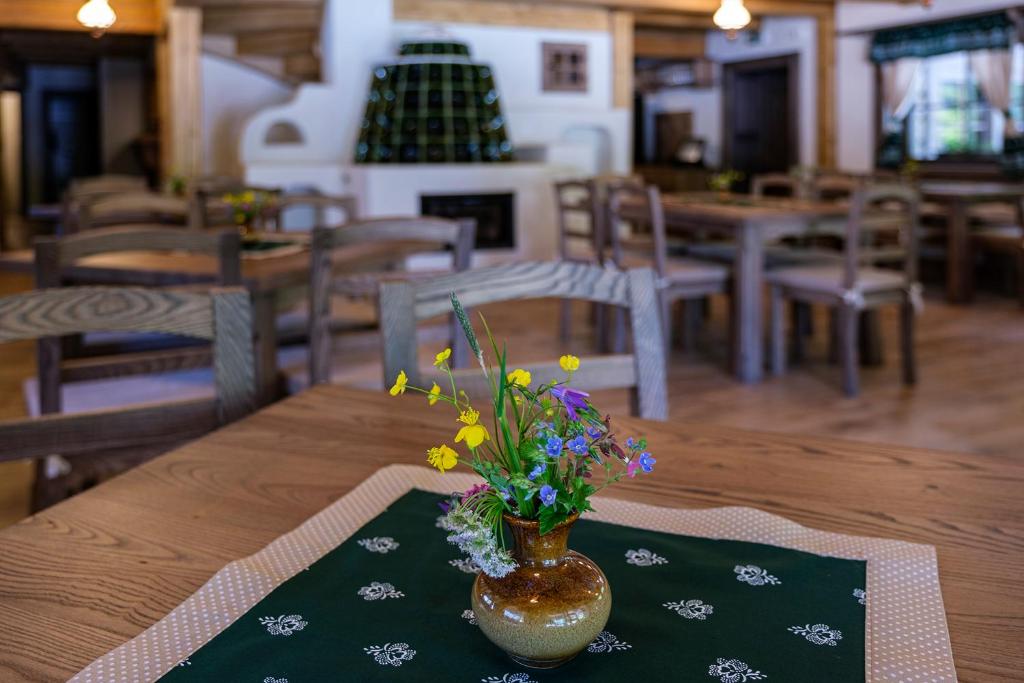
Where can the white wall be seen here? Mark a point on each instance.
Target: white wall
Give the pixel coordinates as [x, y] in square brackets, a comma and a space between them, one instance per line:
[778, 36]
[856, 106]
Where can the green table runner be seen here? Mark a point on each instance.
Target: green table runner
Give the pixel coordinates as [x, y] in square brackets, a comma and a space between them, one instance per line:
[392, 604]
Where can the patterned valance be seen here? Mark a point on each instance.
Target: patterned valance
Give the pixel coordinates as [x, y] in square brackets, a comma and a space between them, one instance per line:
[989, 31]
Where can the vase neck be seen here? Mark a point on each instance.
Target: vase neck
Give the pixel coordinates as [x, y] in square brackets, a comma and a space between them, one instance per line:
[532, 548]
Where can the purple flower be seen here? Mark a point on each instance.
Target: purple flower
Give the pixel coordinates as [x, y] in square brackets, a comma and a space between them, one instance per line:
[647, 462]
[572, 399]
[535, 472]
[445, 506]
[578, 445]
[506, 493]
[479, 488]
[593, 432]
[547, 495]
[554, 446]
[630, 442]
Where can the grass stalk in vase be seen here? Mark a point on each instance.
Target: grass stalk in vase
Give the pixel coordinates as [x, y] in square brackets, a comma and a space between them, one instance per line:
[551, 450]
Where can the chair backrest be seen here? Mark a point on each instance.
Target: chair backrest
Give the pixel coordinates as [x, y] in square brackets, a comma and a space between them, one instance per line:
[83, 189]
[576, 200]
[128, 208]
[778, 185]
[457, 235]
[403, 305]
[882, 230]
[640, 201]
[54, 254]
[222, 317]
[209, 208]
[320, 204]
[835, 187]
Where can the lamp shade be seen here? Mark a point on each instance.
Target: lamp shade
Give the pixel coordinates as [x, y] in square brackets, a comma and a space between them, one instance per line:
[731, 16]
[97, 15]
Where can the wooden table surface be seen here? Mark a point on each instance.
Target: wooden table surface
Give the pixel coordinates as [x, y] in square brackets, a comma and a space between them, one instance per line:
[86, 575]
[711, 208]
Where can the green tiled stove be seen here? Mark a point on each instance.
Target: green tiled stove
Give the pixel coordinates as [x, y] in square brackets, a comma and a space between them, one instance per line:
[433, 106]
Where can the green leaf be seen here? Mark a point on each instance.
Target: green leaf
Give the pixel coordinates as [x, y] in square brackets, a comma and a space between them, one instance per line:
[549, 518]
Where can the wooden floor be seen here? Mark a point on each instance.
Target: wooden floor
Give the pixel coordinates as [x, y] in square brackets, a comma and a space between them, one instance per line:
[970, 397]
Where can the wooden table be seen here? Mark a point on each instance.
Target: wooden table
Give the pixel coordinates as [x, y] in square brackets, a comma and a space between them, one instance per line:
[275, 282]
[957, 197]
[90, 573]
[753, 222]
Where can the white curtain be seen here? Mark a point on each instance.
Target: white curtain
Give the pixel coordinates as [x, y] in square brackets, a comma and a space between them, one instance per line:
[994, 71]
[898, 78]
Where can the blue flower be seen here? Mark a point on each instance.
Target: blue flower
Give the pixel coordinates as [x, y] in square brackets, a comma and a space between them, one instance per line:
[554, 446]
[593, 432]
[535, 472]
[506, 493]
[547, 495]
[578, 445]
[630, 443]
[647, 462]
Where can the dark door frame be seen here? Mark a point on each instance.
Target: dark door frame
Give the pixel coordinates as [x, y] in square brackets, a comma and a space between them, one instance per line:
[729, 73]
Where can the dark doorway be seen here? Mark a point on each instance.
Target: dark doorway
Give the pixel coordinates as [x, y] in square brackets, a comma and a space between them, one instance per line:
[71, 147]
[761, 116]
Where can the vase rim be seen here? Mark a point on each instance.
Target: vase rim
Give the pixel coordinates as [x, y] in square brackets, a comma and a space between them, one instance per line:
[513, 520]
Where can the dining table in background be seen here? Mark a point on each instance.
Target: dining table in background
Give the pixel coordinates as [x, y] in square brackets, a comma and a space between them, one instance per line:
[88, 574]
[957, 197]
[276, 282]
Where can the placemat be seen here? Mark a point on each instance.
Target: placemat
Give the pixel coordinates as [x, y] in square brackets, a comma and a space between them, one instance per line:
[748, 606]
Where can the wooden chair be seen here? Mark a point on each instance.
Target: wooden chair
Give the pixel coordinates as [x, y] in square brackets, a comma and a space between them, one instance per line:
[319, 204]
[778, 185]
[83, 189]
[1002, 232]
[209, 210]
[403, 304]
[580, 237]
[132, 208]
[834, 188]
[97, 439]
[678, 279]
[53, 256]
[881, 230]
[422, 234]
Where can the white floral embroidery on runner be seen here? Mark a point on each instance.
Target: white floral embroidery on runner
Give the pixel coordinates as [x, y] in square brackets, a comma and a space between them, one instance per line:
[509, 678]
[734, 671]
[439, 522]
[691, 609]
[465, 565]
[379, 544]
[379, 591]
[819, 634]
[271, 679]
[185, 662]
[392, 654]
[469, 616]
[283, 625]
[606, 642]
[754, 575]
[644, 558]
[861, 595]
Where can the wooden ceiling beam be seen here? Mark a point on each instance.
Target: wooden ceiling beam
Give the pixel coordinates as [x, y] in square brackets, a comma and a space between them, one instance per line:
[770, 7]
[680, 21]
[133, 16]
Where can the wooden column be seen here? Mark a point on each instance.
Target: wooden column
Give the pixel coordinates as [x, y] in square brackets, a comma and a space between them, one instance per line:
[180, 91]
[622, 59]
[826, 89]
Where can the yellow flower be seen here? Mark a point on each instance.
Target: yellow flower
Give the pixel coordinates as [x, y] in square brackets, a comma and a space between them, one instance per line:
[400, 382]
[435, 394]
[569, 363]
[442, 357]
[442, 457]
[474, 434]
[519, 378]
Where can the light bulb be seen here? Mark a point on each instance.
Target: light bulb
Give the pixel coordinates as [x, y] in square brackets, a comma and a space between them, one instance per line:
[731, 17]
[97, 15]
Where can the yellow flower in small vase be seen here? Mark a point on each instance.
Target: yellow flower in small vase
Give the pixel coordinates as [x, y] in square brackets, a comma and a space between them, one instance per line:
[519, 378]
[442, 358]
[400, 383]
[474, 434]
[442, 457]
[569, 364]
[434, 395]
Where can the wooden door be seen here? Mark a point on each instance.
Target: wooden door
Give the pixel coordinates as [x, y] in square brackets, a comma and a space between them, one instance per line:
[760, 116]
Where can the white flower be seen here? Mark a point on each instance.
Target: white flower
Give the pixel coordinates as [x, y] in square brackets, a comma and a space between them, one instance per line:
[734, 671]
[691, 609]
[392, 654]
[819, 634]
[606, 642]
[754, 575]
[439, 522]
[509, 678]
[283, 625]
[379, 591]
[475, 537]
[379, 544]
[861, 595]
[644, 558]
[469, 616]
[465, 565]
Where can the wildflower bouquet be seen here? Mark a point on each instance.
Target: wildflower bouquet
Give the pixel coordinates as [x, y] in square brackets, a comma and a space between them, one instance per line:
[247, 206]
[550, 451]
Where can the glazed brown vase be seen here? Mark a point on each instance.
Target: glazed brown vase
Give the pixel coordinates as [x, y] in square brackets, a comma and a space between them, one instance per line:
[551, 607]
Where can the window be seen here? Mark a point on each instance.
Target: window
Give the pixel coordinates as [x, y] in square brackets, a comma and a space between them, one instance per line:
[949, 116]
[565, 67]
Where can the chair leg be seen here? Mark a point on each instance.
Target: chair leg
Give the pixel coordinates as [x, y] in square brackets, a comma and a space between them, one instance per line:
[778, 331]
[565, 321]
[847, 342]
[833, 336]
[665, 306]
[907, 315]
[802, 315]
[871, 338]
[619, 330]
[1020, 275]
